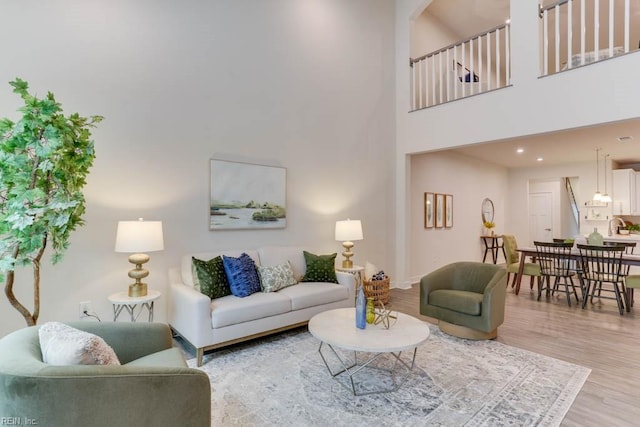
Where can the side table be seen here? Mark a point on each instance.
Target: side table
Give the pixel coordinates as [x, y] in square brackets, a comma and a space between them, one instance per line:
[122, 301]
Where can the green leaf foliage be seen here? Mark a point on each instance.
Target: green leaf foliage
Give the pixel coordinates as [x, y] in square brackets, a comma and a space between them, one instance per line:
[44, 160]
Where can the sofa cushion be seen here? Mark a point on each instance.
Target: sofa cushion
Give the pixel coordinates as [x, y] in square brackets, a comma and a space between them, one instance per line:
[276, 277]
[242, 275]
[231, 310]
[275, 255]
[320, 268]
[63, 345]
[210, 277]
[305, 295]
[461, 301]
[171, 357]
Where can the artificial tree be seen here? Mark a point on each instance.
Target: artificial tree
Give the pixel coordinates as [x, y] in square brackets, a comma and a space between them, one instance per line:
[44, 160]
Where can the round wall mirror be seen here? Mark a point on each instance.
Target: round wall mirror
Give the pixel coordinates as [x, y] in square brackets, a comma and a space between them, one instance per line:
[487, 210]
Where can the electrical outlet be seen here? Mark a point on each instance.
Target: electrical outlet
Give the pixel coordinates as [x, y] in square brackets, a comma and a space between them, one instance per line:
[84, 306]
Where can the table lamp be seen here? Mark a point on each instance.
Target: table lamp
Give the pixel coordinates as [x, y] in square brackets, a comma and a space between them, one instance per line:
[136, 237]
[346, 232]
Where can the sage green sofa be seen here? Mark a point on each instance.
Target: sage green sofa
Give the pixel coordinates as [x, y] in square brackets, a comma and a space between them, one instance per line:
[467, 298]
[152, 387]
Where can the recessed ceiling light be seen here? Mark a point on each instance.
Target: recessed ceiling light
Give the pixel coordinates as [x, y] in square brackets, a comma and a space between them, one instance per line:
[625, 138]
[520, 150]
[539, 159]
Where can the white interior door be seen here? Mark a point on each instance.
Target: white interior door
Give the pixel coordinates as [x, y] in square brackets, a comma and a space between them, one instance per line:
[540, 217]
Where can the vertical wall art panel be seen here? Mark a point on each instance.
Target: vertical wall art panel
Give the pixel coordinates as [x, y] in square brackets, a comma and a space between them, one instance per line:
[439, 210]
[429, 204]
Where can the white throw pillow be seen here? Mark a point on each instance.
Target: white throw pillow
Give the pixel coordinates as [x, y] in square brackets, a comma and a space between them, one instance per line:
[369, 270]
[63, 345]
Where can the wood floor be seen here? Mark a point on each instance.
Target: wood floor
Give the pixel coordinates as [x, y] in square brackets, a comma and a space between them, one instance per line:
[596, 337]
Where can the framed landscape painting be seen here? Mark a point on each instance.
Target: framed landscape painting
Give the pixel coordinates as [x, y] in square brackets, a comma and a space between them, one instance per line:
[429, 203]
[247, 196]
[439, 210]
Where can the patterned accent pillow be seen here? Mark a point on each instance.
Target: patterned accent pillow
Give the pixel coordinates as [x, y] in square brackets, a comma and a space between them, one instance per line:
[242, 275]
[63, 345]
[210, 278]
[276, 277]
[320, 268]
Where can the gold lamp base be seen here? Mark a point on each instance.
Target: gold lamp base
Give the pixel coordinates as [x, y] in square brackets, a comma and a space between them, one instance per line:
[138, 289]
[347, 254]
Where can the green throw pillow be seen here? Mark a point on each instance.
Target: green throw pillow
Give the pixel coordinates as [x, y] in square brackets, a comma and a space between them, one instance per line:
[210, 277]
[320, 268]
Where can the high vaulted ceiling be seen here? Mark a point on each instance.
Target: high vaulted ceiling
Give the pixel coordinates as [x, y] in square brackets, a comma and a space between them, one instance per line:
[466, 18]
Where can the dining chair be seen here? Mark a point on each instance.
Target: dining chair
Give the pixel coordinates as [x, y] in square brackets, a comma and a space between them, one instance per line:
[512, 257]
[631, 281]
[554, 260]
[602, 265]
[628, 249]
[567, 240]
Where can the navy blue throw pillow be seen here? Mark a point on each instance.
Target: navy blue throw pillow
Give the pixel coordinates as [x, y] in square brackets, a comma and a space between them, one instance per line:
[242, 275]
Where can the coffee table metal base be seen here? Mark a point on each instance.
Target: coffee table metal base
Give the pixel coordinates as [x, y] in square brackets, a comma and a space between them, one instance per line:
[351, 369]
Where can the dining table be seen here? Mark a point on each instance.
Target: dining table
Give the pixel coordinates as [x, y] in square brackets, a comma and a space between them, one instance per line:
[627, 259]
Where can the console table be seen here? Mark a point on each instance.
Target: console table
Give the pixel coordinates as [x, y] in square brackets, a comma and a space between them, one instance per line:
[493, 244]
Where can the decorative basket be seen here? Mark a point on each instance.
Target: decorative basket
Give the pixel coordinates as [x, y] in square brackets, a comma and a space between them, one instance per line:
[377, 289]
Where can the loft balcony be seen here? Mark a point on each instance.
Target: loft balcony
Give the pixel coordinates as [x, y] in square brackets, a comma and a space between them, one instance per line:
[571, 34]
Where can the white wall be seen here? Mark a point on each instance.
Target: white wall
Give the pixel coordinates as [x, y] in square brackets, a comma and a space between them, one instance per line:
[429, 34]
[469, 180]
[596, 94]
[308, 85]
[518, 195]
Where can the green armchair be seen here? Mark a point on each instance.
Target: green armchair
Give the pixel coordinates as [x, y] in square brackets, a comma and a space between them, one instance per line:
[152, 387]
[467, 298]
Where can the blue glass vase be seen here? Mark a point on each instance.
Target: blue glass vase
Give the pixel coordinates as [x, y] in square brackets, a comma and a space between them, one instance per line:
[361, 310]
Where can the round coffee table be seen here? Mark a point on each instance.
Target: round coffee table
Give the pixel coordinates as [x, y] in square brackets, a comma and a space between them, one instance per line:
[336, 329]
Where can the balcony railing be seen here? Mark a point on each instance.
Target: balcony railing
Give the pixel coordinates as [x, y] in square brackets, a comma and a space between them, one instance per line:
[476, 65]
[580, 32]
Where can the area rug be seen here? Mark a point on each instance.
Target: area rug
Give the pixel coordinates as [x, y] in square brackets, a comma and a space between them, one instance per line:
[282, 381]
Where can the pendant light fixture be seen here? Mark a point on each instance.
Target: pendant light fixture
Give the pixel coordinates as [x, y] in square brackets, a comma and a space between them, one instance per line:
[597, 196]
[605, 197]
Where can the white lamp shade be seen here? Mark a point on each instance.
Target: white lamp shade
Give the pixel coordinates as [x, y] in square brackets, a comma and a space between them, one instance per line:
[139, 236]
[348, 230]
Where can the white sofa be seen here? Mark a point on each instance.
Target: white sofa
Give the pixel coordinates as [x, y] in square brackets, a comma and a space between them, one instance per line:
[207, 324]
